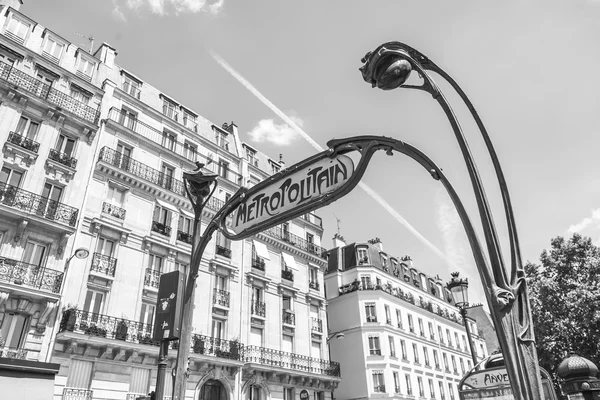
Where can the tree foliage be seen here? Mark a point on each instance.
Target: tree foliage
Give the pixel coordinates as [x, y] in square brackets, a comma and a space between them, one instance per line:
[565, 301]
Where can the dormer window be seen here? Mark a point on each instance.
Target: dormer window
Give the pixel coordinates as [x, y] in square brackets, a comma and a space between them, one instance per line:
[275, 168]
[85, 66]
[131, 85]
[221, 139]
[170, 109]
[53, 48]
[189, 120]
[361, 254]
[251, 157]
[17, 29]
[383, 260]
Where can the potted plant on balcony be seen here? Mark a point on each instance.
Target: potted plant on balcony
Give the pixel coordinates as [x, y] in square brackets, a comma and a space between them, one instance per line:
[69, 318]
[122, 328]
[198, 345]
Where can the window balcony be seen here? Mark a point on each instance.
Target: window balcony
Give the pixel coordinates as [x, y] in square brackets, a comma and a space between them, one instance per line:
[317, 325]
[23, 142]
[152, 278]
[161, 228]
[104, 264]
[258, 308]
[113, 210]
[45, 92]
[371, 318]
[314, 285]
[221, 297]
[388, 321]
[288, 317]
[35, 204]
[62, 158]
[29, 275]
[16, 354]
[375, 352]
[210, 346]
[379, 388]
[297, 362]
[258, 263]
[223, 251]
[184, 237]
[287, 275]
[278, 233]
[77, 394]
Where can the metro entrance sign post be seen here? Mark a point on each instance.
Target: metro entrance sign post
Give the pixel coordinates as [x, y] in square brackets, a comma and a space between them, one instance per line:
[327, 176]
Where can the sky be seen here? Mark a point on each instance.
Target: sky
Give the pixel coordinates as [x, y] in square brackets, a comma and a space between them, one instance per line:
[530, 68]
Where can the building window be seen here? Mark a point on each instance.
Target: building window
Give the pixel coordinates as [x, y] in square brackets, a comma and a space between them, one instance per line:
[115, 196]
[392, 346]
[374, 348]
[223, 169]
[462, 366]
[131, 86]
[469, 364]
[441, 388]
[47, 81]
[464, 340]
[420, 385]
[27, 128]
[286, 302]
[396, 382]
[275, 168]
[388, 315]
[167, 176]
[251, 157]
[105, 247]
[224, 245]
[421, 328]
[128, 119]
[147, 313]
[456, 340]
[454, 366]
[449, 337]
[399, 318]
[378, 382]
[80, 96]
[370, 312]
[440, 335]
[254, 393]
[94, 301]
[314, 278]
[362, 256]
[189, 120]
[403, 349]
[35, 253]
[85, 68]
[482, 351]
[221, 139]
[190, 151]
[14, 329]
[408, 384]
[383, 260]
[217, 328]
[415, 353]
[436, 359]
[17, 29]
[170, 109]
[445, 358]
[161, 220]
[288, 393]
[168, 141]
[451, 391]
[411, 326]
[11, 177]
[431, 389]
[365, 281]
[431, 331]
[53, 193]
[155, 262]
[185, 225]
[426, 356]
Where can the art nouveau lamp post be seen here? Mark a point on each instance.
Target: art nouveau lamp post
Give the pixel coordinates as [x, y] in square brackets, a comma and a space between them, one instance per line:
[389, 67]
[459, 287]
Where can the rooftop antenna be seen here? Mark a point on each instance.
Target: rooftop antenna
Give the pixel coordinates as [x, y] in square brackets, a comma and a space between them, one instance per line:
[90, 38]
[338, 224]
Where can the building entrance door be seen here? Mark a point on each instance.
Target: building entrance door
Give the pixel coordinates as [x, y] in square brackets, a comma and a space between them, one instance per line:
[213, 390]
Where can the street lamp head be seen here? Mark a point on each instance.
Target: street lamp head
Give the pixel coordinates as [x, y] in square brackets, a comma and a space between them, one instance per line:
[82, 253]
[198, 183]
[387, 67]
[459, 289]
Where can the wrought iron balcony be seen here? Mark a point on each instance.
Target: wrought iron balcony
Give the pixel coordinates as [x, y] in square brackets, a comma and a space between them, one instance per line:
[379, 388]
[62, 158]
[314, 285]
[278, 233]
[184, 237]
[113, 210]
[258, 263]
[317, 325]
[258, 308]
[210, 346]
[140, 170]
[287, 274]
[77, 394]
[35, 204]
[50, 94]
[161, 228]
[282, 359]
[23, 142]
[223, 251]
[100, 325]
[104, 264]
[288, 317]
[221, 297]
[33, 276]
[17, 354]
[152, 278]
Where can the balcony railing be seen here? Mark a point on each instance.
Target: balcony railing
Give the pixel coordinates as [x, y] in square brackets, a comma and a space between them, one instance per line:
[379, 388]
[45, 92]
[317, 325]
[221, 297]
[17, 354]
[278, 233]
[152, 278]
[223, 251]
[161, 228]
[287, 274]
[76, 394]
[184, 237]
[314, 285]
[104, 264]
[23, 142]
[100, 325]
[258, 263]
[33, 276]
[113, 210]
[282, 359]
[140, 170]
[288, 317]
[32, 203]
[258, 308]
[210, 346]
[63, 158]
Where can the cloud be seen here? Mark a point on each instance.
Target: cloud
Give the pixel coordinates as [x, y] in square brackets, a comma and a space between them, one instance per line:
[165, 7]
[594, 219]
[279, 134]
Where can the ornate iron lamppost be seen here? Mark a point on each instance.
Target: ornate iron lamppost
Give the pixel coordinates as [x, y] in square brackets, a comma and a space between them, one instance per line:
[389, 67]
[459, 287]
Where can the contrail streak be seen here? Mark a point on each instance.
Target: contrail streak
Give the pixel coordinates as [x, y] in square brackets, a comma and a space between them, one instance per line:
[374, 195]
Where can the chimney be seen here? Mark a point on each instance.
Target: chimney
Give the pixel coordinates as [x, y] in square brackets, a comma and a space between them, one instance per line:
[338, 241]
[106, 53]
[376, 243]
[15, 4]
[282, 163]
[407, 260]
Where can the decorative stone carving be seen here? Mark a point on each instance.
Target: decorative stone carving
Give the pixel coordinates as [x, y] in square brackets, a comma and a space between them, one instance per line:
[48, 308]
[3, 297]
[62, 243]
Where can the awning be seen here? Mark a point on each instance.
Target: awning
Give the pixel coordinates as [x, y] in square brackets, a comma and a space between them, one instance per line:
[261, 249]
[187, 213]
[166, 205]
[289, 261]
